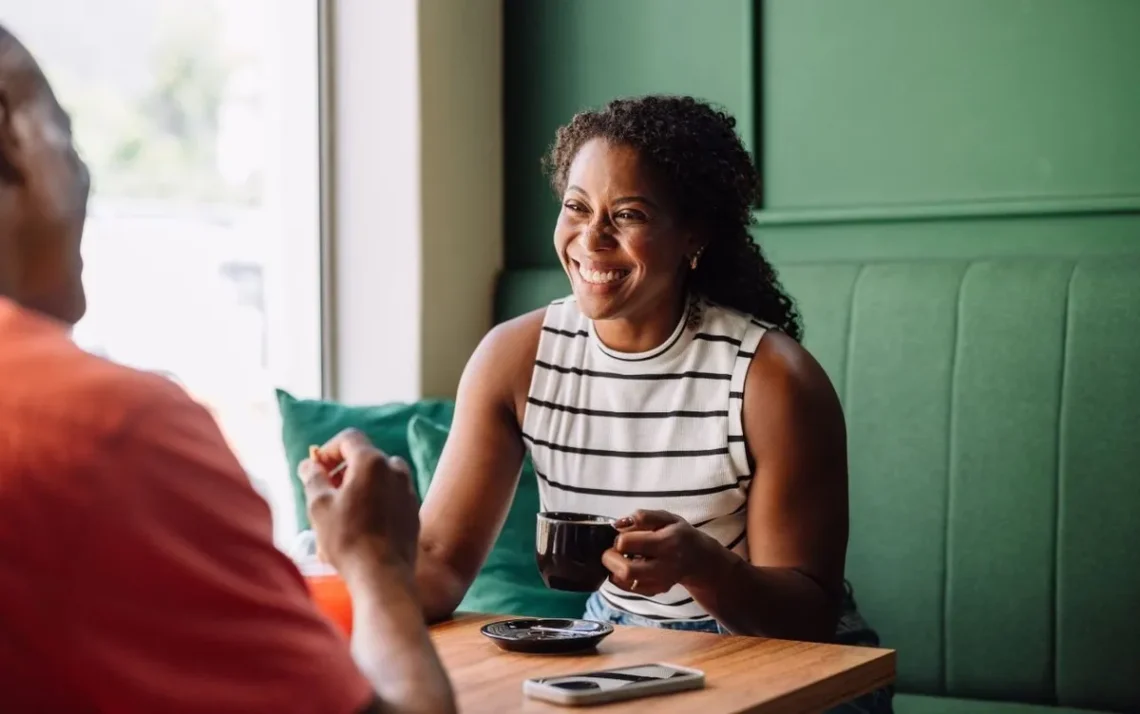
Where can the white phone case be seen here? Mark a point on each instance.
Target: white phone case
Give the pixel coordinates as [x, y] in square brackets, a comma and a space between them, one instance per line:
[535, 689]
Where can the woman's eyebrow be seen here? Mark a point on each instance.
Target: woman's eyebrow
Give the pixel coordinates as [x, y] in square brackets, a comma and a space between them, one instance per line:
[635, 199]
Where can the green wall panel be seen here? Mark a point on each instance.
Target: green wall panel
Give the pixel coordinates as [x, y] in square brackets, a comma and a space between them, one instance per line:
[889, 102]
[564, 56]
[993, 236]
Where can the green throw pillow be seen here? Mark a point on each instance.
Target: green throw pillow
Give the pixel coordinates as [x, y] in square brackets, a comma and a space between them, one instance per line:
[509, 583]
[305, 422]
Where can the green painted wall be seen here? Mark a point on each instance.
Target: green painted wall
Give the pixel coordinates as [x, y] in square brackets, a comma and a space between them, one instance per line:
[927, 101]
[564, 55]
[883, 127]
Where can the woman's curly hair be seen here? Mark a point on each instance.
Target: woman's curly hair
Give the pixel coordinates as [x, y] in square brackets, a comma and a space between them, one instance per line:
[713, 187]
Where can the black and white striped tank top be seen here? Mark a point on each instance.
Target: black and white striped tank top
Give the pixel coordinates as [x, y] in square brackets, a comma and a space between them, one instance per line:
[611, 432]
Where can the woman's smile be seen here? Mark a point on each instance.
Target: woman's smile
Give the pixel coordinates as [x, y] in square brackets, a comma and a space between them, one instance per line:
[598, 277]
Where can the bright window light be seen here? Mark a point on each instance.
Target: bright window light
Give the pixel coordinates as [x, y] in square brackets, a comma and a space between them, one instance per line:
[200, 122]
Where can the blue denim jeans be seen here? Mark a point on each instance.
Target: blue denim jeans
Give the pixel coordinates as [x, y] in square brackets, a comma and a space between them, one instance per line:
[852, 630]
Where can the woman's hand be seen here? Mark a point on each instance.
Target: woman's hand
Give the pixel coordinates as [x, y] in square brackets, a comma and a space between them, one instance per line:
[655, 550]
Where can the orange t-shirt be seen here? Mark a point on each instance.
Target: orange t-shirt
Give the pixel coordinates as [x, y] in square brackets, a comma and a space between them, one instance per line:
[137, 568]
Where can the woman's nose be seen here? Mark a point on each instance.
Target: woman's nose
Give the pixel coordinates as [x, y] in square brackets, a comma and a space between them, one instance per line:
[596, 236]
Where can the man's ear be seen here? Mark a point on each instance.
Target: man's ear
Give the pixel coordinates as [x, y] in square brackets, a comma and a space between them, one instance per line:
[13, 147]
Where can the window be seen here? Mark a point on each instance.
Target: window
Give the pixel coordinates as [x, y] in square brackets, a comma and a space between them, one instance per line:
[200, 122]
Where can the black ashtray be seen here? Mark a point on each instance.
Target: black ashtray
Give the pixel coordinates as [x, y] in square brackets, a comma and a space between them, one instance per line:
[546, 636]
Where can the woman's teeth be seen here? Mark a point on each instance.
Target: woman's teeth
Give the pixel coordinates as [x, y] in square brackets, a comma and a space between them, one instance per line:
[600, 277]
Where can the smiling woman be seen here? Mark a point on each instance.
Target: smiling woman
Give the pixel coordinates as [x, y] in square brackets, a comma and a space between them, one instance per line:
[669, 392]
[623, 248]
[700, 188]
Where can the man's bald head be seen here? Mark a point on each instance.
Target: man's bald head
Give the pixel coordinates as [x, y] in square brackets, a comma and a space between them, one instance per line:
[43, 191]
[14, 56]
[20, 72]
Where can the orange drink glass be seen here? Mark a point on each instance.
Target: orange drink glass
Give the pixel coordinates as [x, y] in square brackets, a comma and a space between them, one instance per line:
[329, 593]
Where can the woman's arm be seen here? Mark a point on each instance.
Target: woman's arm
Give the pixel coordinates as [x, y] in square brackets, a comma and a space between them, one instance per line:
[797, 505]
[478, 471]
[792, 586]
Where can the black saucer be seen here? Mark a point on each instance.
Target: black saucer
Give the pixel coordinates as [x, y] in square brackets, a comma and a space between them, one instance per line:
[546, 636]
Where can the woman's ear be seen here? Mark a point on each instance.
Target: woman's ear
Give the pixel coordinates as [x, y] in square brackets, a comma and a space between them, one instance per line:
[694, 254]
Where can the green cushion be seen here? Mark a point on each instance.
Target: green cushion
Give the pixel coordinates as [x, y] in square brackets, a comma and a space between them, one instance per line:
[921, 704]
[509, 583]
[305, 422]
[993, 408]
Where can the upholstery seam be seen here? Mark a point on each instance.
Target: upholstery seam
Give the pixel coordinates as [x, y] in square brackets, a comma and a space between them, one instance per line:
[1066, 333]
[951, 431]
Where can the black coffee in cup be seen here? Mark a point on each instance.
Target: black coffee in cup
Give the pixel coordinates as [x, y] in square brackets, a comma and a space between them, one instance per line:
[569, 550]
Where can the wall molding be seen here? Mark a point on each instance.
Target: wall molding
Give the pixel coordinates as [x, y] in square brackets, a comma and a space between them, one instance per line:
[1122, 204]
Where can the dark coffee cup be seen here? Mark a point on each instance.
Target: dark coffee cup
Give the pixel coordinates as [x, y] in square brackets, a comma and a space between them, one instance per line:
[569, 550]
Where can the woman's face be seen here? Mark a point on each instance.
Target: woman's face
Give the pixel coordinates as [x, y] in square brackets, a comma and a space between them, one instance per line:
[618, 240]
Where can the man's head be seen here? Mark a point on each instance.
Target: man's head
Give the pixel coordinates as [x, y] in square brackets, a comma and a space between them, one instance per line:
[43, 191]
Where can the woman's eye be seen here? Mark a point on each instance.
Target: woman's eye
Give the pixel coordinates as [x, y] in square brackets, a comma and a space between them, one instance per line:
[630, 215]
[574, 206]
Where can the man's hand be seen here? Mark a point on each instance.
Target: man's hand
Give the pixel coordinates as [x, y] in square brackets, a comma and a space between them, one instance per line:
[367, 528]
[372, 514]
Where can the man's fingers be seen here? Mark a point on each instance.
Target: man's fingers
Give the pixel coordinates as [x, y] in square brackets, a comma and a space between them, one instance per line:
[399, 465]
[362, 465]
[313, 476]
[316, 482]
[353, 443]
[403, 473]
[345, 446]
[352, 450]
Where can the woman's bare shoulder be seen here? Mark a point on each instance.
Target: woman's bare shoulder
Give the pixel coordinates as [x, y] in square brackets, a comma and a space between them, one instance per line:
[502, 363]
[787, 392]
[787, 367]
[514, 342]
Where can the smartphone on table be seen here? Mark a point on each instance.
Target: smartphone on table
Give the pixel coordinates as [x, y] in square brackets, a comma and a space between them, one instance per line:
[611, 685]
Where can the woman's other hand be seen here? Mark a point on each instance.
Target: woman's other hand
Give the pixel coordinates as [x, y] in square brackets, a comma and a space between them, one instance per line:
[655, 550]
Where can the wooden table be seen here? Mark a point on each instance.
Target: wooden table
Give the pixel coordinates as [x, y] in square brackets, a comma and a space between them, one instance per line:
[742, 674]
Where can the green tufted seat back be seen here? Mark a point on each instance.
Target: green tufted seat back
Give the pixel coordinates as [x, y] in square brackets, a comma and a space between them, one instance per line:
[993, 411]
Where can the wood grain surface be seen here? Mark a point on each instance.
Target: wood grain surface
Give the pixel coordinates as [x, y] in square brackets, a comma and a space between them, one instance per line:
[742, 674]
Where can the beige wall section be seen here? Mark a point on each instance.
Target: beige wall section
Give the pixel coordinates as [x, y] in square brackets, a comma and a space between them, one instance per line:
[414, 122]
[461, 174]
[372, 270]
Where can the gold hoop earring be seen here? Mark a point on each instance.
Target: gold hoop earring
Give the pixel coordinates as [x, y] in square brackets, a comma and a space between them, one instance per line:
[696, 258]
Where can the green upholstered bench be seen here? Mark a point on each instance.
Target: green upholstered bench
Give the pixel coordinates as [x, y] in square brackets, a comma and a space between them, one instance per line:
[993, 411]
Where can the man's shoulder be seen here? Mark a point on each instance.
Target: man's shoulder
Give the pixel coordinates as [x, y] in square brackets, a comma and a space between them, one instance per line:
[48, 379]
[77, 430]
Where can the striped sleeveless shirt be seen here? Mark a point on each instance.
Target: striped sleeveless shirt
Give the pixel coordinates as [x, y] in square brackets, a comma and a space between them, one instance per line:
[610, 432]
